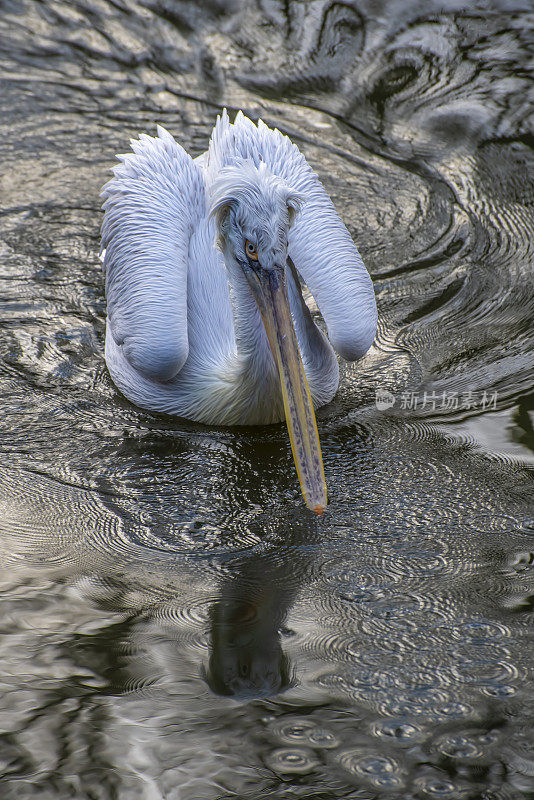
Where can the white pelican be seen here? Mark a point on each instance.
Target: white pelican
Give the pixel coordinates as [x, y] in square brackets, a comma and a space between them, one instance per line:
[205, 315]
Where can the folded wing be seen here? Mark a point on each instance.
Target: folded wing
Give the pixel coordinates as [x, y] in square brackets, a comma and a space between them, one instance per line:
[152, 204]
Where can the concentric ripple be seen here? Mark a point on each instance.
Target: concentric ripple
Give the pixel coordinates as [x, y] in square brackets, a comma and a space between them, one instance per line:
[381, 772]
[304, 732]
[292, 761]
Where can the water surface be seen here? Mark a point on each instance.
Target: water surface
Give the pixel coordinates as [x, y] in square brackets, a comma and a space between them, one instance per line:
[175, 624]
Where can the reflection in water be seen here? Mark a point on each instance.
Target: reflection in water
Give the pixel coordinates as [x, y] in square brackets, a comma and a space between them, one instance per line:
[246, 655]
[523, 419]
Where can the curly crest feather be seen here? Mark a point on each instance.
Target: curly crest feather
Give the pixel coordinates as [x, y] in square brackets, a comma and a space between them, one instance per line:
[254, 193]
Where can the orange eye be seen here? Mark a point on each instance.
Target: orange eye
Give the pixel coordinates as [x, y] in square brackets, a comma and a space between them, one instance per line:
[251, 251]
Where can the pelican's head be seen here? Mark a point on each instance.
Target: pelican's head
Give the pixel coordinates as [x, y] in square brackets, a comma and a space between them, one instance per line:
[253, 211]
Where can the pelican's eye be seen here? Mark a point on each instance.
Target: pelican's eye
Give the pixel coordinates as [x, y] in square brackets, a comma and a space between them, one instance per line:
[251, 251]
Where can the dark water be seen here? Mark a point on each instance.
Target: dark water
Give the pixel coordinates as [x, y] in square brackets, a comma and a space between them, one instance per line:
[151, 567]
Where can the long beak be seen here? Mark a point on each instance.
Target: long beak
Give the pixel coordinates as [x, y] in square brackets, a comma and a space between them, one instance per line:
[270, 291]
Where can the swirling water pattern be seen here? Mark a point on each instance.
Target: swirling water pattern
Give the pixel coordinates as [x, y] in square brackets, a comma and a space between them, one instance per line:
[175, 625]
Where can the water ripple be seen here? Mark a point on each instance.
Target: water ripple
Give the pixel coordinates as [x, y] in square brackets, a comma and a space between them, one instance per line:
[379, 771]
[304, 732]
[292, 761]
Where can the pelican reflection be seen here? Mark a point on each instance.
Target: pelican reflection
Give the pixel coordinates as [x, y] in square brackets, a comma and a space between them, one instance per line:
[247, 621]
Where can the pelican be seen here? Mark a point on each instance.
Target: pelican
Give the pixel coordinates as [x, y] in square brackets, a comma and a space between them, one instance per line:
[204, 260]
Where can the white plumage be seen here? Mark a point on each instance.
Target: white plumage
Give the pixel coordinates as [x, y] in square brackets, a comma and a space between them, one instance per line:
[184, 333]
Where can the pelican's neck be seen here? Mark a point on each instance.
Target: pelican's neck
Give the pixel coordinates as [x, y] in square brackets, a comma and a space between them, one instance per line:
[254, 370]
[251, 339]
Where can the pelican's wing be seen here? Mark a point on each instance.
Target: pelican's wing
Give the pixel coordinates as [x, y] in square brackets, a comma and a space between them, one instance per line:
[319, 243]
[152, 204]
